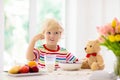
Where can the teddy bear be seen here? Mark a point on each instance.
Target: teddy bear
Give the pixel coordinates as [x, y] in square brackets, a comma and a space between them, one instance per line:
[94, 59]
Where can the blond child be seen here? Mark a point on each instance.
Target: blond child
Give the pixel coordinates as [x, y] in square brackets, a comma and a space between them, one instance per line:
[51, 33]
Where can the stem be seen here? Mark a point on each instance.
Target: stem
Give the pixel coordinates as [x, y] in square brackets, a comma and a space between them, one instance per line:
[117, 66]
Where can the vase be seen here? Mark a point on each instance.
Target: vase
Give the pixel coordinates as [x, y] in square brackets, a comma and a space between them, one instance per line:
[117, 67]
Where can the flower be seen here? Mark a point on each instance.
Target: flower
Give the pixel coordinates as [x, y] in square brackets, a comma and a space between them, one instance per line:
[110, 36]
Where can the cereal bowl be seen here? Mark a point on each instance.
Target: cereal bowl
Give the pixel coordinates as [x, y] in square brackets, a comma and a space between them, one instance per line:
[70, 66]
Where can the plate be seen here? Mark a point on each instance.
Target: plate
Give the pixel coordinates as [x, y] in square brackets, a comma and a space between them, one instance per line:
[27, 74]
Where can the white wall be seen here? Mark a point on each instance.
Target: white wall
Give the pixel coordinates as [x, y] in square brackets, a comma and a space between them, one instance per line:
[82, 17]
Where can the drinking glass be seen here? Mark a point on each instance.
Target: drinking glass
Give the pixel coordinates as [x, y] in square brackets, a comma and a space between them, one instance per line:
[50, 62]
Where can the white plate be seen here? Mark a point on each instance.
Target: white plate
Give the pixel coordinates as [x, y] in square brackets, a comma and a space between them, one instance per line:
[27, 74]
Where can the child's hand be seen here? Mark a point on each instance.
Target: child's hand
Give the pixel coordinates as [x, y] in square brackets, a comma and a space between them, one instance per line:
[38, 37]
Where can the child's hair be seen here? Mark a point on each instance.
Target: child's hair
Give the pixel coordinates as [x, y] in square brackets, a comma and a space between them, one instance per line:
[51, 24]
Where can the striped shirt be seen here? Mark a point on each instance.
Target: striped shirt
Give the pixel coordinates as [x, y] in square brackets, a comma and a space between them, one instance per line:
[62, 55]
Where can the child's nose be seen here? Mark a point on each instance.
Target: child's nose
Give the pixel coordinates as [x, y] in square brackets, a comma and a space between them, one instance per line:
[52, 35]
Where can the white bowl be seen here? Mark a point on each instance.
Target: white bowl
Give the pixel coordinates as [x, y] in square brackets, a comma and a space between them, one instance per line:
[70, 66]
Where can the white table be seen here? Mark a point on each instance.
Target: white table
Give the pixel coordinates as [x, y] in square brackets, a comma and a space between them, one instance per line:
[56, 75]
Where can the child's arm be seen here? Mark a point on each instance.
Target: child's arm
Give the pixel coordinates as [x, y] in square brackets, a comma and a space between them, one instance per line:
[71, 58]
[30, 55]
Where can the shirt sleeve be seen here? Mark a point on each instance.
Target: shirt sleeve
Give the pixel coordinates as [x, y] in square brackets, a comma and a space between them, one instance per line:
[71, 58]
[36, 53]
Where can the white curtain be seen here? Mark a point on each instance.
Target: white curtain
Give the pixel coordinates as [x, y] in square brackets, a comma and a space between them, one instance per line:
[32, 18]
[82, 17]
[1, 35]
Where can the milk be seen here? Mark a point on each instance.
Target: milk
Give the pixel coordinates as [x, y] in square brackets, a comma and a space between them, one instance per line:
[50, 62]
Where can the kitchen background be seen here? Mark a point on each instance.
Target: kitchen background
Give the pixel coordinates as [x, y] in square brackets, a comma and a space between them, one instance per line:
[20, 20]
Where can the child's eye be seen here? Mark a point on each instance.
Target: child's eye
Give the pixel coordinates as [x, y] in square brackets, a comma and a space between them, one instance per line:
[48, 32]
[56, 32]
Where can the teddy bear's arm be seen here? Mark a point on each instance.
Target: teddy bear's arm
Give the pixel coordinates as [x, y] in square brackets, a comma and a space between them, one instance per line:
[85, 64]
[100, 60]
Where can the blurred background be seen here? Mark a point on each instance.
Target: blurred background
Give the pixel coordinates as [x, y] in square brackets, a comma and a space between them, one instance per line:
[20, 20]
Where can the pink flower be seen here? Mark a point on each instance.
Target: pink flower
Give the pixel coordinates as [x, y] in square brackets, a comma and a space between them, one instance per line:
[101, 40]
[101, 30]
[106, 30]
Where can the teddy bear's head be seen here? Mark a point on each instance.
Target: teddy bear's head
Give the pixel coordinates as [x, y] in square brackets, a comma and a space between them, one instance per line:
[92, 46]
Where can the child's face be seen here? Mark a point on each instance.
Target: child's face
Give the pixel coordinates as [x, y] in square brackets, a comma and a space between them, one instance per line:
[52, 36]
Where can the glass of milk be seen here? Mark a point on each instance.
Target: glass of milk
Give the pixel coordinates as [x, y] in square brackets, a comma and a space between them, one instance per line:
[50, 62]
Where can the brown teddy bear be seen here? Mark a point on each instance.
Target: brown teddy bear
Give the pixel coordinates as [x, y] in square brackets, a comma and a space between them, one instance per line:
[93, 60]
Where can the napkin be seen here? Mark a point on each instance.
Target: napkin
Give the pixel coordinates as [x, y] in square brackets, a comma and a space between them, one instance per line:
[102, 75]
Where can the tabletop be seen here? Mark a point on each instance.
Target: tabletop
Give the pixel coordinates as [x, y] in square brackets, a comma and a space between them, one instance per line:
[82, 74]
[56, 75]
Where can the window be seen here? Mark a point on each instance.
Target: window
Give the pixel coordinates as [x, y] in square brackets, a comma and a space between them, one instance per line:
[15, 30]
[22, 23]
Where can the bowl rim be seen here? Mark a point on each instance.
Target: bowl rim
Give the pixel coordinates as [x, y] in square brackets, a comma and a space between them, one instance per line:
[70, 62]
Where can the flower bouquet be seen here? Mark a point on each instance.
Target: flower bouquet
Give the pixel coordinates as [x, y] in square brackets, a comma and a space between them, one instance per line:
[110, 38]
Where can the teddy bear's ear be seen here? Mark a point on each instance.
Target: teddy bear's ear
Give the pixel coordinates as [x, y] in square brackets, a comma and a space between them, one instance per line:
[97, 41]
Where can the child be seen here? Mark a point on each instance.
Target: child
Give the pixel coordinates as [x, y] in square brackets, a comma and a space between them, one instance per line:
[51, 32]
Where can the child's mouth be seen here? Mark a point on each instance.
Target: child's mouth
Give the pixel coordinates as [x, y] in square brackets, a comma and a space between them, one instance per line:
[51, 39]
